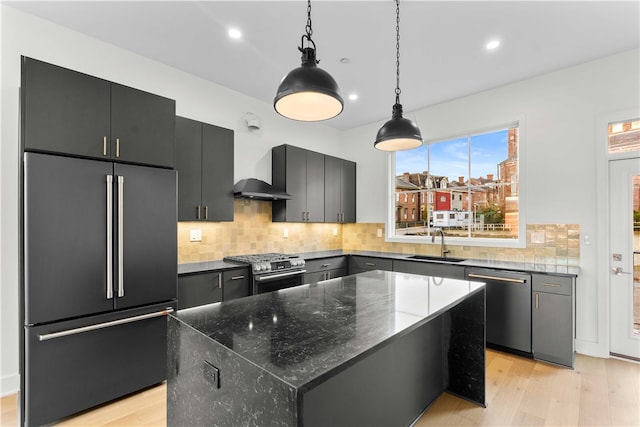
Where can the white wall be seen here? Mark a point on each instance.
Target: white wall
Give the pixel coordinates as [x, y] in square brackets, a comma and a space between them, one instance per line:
[23, 34]
[561, 155]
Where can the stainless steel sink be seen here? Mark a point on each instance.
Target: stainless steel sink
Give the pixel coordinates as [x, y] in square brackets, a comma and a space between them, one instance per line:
[435, 258]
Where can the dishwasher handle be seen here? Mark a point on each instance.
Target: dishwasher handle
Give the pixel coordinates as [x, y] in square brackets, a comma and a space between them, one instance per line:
[497, 278]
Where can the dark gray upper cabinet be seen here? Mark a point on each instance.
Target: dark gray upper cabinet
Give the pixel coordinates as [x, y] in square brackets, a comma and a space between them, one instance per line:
[64, 111]
[142, 127]
[204, 160]
[323, 188]
[189, 167]
[300, 173]
[339, 190]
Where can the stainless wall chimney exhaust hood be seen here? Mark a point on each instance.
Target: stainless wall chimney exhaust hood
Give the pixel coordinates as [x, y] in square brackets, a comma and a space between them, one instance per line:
[256, 189]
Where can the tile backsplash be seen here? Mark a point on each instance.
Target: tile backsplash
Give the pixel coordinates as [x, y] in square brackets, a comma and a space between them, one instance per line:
[253, 232]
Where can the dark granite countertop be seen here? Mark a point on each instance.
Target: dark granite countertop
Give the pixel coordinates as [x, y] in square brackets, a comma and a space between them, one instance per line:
[199, 267]
[501, 265]
[304, 333]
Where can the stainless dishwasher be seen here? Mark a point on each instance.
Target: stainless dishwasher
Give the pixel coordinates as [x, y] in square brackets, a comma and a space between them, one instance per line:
[508, 307]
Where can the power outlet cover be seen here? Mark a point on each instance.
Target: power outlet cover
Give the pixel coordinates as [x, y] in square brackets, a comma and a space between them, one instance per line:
[195, 235]
[211, 374]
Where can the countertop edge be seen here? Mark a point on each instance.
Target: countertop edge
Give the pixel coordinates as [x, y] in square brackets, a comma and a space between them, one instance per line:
[550, 269]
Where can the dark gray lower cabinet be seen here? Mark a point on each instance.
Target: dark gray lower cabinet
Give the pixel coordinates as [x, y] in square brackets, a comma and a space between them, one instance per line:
[553, 319]
[235, 284]
[199, 289]
[360, 264]
[325, 269]
[450, 271]
[212, 286]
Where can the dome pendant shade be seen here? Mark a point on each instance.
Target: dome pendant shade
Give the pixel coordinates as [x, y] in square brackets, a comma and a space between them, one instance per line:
[398, 133]
[308, 93]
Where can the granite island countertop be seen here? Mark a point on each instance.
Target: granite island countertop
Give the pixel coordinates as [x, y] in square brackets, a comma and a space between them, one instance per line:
[302, 334]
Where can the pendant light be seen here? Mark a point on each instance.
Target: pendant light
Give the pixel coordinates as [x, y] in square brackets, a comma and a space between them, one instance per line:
[308, 93]
[398, 133]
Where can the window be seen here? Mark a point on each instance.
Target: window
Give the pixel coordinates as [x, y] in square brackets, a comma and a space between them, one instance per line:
[624, 136]
[471, 185]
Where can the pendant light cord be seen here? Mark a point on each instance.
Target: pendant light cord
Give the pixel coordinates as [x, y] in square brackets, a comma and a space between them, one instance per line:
[308, 28]
[397, 50]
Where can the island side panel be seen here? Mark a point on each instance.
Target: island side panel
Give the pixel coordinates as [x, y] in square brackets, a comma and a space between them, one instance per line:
[247, 395]
[389, 387]
[464, 349]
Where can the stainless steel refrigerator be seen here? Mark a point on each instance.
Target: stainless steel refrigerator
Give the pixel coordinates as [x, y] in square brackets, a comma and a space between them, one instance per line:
[100, 275]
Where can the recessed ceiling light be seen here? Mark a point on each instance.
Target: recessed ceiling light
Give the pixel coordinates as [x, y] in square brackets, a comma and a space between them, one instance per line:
[353, 96]
[492, 44]
[234, 33]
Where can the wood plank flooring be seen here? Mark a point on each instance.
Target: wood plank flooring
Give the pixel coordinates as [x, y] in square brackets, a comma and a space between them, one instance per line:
[520, 392]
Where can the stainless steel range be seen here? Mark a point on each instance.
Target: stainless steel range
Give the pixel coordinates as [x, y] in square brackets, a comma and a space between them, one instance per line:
[272, 271]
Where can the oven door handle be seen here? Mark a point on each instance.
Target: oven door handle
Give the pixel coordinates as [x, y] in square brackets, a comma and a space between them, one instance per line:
[278, 276]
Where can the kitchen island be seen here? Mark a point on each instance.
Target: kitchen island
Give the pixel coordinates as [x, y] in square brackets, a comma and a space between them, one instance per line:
[374, 348]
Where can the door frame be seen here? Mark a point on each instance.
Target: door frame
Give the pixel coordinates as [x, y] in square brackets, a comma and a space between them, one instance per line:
[602, 347]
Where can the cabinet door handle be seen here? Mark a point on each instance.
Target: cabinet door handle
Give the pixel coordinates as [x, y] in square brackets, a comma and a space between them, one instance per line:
[553, 285]
[117, 147]
[219, 280]
[198, 212]
[307, 215]
[120, 236]
[370, 264]
[499, 279]
[109, 236]
[537, 300]
[237, 277]
[104, 146]
[206, 212]
[325, 265]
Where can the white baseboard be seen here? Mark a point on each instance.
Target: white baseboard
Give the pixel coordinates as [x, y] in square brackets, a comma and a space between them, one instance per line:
[9, 385]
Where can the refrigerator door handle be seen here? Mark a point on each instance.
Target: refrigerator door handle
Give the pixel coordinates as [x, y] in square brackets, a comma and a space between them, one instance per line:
[120, 235]
[74, 331]
[109, 236]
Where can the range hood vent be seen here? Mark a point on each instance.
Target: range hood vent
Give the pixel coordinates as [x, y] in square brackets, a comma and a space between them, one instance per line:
[256, 189]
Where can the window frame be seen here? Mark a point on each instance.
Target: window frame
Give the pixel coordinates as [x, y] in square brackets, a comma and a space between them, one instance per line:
[519, 242]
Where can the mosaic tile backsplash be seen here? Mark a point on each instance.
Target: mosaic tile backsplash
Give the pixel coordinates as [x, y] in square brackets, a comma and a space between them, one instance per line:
[253, 232]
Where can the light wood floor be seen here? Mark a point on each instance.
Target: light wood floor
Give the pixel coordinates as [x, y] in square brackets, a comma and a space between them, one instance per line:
[520, 392]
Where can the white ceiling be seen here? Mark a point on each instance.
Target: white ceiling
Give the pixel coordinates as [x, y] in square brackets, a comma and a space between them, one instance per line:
[442, 42]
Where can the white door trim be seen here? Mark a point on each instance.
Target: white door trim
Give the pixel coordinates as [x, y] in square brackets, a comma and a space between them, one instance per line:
[602, 346]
